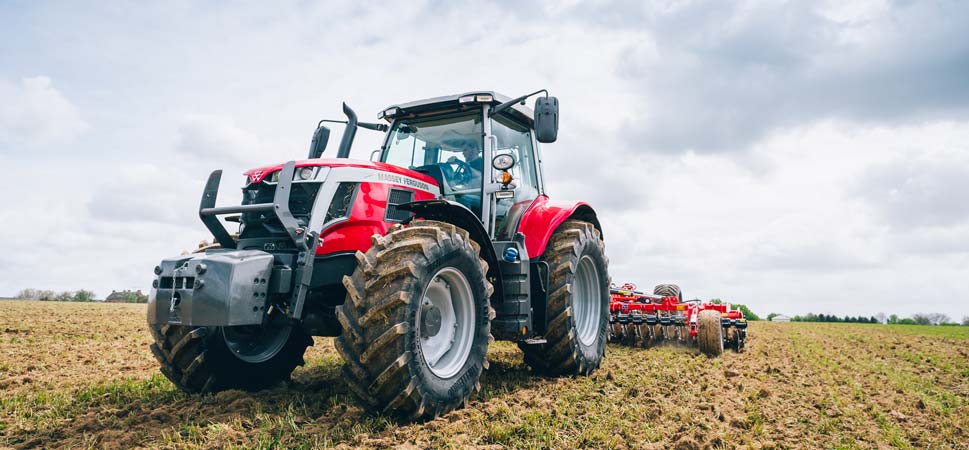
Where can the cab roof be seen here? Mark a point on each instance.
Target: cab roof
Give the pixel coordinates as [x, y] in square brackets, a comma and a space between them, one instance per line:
[453, 102]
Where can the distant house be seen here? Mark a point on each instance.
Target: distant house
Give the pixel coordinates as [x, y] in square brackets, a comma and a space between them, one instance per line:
[126, 296]
[780, 318]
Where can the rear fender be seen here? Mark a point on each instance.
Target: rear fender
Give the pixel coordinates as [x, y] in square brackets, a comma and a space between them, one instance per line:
[544, 217]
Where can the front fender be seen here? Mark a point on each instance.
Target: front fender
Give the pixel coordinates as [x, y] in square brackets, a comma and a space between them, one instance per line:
[544, 216]
[459, 215]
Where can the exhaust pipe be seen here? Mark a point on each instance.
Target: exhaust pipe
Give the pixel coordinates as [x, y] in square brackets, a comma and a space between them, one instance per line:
[348, 133]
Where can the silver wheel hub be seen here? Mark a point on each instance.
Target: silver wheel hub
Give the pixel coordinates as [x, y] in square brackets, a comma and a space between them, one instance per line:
[255, 344]
[431, 323]
[587, 301]
[446, 322]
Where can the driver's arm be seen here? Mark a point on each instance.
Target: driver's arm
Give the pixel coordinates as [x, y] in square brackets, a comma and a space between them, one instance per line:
[477, 164]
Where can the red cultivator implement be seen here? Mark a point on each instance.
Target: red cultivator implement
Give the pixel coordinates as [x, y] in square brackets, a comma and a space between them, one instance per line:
[638, 318]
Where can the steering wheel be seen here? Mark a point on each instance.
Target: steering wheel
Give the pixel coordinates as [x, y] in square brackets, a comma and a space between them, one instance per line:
[462, 174]
[447, 171]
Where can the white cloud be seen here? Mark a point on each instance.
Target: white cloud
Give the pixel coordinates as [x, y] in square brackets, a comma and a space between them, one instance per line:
[799, 237]
[93, 225]
[914, 193]
[140, 193]
[718, 76]
[33, 112]
[215, 139]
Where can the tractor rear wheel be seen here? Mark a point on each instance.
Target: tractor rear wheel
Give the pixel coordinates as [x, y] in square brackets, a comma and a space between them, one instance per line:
[211, 359]
[416, 321]
[668, 290]
[709, 332]
[578, 303]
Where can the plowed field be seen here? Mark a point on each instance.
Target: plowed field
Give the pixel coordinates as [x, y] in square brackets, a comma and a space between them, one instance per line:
[81, 375]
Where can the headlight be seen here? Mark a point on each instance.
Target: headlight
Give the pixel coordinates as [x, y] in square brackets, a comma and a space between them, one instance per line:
[301, 174]
[503, 162]
[306, 173]
[388, 113]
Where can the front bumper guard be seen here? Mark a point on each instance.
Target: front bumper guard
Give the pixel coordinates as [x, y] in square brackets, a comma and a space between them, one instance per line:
[218, 288]
[235, 290]
[209, 213]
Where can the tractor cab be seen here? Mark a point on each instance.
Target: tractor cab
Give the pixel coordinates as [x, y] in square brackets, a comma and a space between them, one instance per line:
[480, 147]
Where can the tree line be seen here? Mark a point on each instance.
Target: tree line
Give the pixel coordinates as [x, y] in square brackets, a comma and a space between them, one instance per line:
[894, 319]
[925, 319]
[45, 295]
[748, 314]
[83, 295]
[811, 317]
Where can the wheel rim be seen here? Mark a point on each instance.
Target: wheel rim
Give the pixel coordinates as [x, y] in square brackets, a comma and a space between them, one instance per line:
[446, 322]
[255, 344]
[587, 301]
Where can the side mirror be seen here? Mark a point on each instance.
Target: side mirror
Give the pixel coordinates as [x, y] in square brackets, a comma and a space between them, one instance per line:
[546, 119]
[320, 137]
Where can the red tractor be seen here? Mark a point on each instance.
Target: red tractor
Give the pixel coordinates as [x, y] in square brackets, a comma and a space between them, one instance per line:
[415, 262]
[644, 319]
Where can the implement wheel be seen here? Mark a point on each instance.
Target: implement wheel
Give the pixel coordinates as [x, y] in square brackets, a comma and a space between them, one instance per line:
[416, 321]
[578, 303]
[733, 338]
[709, 333]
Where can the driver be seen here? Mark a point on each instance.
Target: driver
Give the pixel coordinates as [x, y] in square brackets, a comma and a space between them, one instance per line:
[469, 148]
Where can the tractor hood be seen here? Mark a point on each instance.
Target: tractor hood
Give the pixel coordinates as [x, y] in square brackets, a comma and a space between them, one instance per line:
[258, 174]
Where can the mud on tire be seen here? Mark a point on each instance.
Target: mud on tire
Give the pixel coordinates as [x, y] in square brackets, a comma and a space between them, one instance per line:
[197, 359]
[576, 246]
[385, 366]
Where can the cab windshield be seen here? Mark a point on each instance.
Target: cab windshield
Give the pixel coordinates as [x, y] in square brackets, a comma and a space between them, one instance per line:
[448, 148]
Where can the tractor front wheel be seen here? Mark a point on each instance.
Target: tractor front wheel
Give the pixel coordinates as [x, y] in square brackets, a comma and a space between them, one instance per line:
[416, 321]
[578, 303]
[211, 359]
[709, 332]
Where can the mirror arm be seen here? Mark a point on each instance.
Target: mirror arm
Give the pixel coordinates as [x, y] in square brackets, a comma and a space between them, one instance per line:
[510, 103]
[367, 125]
[316, 148]
[373, 126]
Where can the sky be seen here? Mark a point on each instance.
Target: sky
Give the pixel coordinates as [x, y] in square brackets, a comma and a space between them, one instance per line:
[793, 156]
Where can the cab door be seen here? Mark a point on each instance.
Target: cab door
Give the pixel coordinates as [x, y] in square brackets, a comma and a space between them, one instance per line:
[508, 205]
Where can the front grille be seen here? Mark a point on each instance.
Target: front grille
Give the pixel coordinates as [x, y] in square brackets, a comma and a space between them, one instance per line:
[265, 224]
[177, 283]
[398, 197]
